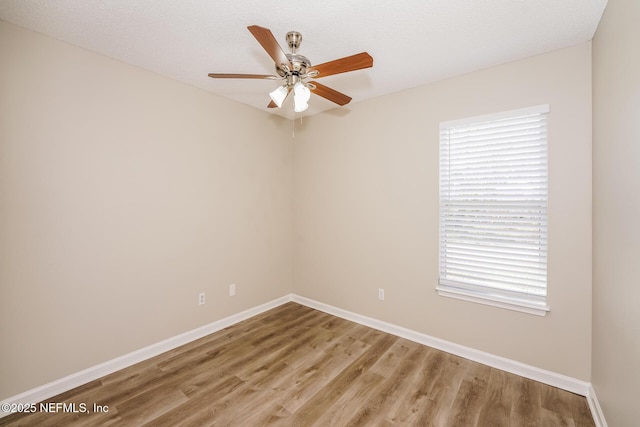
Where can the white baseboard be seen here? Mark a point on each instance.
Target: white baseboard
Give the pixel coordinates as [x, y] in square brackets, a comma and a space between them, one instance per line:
[547, 377]
[77, 379]
[69, 382]
[596, 409]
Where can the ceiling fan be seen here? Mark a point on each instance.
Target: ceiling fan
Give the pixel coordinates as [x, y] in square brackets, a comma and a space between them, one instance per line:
[295, 70]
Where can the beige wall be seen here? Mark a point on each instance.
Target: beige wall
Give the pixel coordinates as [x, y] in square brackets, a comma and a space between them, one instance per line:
[123, 194]
[366, 210]
[616, 210]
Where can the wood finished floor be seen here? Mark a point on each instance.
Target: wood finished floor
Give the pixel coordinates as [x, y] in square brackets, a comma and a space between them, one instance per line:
[295, 366]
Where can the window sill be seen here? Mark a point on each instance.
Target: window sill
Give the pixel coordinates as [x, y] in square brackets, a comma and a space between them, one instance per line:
[494, 301]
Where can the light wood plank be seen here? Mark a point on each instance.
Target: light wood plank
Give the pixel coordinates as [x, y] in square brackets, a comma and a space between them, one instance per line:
[295, 366]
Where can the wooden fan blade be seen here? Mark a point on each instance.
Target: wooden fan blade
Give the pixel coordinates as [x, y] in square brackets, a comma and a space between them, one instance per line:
[241, 76]
[348, 63]
[331, 94]
[272, 105]
[268, 42]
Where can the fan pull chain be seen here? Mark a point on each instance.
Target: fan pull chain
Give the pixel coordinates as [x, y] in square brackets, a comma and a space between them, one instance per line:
[293, 125]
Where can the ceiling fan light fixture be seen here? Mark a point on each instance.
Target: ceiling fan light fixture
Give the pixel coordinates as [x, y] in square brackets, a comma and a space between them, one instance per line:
[278, 95]
[293, 69]
[301, 95]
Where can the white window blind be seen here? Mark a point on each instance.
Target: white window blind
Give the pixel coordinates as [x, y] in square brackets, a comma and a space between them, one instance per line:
[493, 209]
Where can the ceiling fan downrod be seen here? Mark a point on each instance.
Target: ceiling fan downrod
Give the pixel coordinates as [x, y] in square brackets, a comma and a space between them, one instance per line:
[297, 69]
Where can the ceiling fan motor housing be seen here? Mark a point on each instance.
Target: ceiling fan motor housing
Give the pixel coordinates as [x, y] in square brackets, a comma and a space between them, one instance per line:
[300, 63]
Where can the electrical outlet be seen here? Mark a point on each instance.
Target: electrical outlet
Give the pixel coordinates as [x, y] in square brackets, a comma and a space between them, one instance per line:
[232, 289]
[381, 294]
[201, 298]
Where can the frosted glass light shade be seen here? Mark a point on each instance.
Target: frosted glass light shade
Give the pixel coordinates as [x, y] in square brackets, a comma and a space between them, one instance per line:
[278, 95]
[301, 95]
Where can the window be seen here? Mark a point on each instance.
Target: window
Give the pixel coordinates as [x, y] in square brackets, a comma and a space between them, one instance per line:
[493, 209]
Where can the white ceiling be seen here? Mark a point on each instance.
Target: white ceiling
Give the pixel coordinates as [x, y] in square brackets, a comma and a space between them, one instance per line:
[413, 42]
